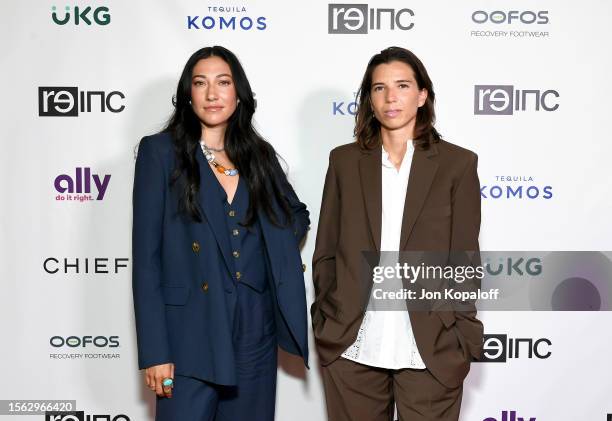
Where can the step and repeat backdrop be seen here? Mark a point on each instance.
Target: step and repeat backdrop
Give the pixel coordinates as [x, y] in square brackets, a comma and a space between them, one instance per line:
[524, 84]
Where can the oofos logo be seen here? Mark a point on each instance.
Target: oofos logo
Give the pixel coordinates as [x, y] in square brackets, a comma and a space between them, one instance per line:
[512, 16]
[84, 341]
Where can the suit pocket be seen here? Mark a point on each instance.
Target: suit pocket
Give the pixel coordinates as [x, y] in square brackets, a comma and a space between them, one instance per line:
[175, 295]
[462, 343]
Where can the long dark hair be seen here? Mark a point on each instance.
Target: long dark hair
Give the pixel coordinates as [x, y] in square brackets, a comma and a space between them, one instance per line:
[367, 127]
[254, 158]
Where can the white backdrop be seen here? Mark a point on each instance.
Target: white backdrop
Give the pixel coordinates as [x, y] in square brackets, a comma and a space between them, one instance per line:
[305, 78]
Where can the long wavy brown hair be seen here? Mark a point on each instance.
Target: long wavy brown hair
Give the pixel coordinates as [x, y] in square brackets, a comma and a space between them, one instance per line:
[367, 127]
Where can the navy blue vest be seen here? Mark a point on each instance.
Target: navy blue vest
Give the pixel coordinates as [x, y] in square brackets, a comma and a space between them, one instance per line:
[248, 255]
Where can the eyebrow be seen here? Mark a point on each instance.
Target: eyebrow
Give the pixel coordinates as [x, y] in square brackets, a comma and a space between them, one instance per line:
[397, 81]
[218, 76]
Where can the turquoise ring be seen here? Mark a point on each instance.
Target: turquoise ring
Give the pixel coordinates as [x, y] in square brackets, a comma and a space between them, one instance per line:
[168, 382]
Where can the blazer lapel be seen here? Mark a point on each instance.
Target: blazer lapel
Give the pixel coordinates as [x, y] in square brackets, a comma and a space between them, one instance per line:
[422, 172]
[371, 179]
[213, 212]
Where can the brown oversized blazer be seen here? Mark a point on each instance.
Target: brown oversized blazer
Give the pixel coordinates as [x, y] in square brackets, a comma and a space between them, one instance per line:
[441, 213]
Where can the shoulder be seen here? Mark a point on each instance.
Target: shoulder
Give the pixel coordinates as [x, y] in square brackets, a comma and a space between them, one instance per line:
[345, 153]
[160, 142]
[455, 155]
[159, 145]
[455, 151]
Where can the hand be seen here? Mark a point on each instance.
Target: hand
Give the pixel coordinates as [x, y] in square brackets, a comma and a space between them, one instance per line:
[155, 375]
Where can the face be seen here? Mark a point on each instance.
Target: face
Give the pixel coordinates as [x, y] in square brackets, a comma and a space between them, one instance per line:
[395, 96]
[213, 95]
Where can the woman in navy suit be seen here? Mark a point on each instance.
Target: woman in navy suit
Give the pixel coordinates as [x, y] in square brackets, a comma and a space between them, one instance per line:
[218, 279]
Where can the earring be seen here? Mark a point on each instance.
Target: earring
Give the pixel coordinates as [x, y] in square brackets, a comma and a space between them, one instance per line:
[238, 101]
[189, 102]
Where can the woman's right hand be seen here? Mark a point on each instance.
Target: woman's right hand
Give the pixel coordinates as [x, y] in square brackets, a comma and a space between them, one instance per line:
[155, 375]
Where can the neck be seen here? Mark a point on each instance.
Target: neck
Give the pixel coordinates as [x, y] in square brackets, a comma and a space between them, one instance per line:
[395, 143]
[214, 136]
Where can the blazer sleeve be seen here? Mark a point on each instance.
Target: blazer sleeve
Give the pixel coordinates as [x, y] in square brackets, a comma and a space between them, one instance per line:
[464, 241]
[328, 231]
[148, 210]
[301, 215]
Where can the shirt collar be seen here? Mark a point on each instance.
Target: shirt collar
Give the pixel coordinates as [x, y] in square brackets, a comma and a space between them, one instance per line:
[385, 155]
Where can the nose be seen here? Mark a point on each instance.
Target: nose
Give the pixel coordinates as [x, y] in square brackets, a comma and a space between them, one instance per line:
[211, 93]
[390, 95]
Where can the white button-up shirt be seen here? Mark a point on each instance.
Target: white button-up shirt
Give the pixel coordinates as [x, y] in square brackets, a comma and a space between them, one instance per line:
[385, 338]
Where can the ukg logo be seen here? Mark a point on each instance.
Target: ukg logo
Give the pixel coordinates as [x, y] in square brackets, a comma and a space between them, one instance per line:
[81, 15]
[82, 187]
[227, 18]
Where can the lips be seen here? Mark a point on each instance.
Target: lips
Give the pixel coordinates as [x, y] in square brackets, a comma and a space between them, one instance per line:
[392, 113]
[213, 109]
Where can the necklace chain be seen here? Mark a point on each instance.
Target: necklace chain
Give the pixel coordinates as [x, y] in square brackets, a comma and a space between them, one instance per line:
[211, 148]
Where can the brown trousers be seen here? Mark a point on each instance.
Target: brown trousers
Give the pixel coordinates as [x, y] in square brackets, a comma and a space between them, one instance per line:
[357, 392]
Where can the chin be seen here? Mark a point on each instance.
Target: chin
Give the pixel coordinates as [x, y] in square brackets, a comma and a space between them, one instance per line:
[394, 125]
[212, 122]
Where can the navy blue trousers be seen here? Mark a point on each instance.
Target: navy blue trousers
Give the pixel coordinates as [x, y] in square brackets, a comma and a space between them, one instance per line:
[254, 396]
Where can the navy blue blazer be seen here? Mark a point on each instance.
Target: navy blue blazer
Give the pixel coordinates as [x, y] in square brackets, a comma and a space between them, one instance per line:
[184, 293]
